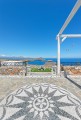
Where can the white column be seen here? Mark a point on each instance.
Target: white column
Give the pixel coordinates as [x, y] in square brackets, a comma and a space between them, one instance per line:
[58, 62]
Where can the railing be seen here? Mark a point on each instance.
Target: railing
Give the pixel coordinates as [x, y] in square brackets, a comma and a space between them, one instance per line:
[14, 68]
[54, 70]
[11, 63]
[21, 68]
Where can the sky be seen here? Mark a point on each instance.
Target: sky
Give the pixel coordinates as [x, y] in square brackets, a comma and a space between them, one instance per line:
[29, 27]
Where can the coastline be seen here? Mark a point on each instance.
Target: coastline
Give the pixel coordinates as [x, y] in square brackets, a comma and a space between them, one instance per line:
[42, 61]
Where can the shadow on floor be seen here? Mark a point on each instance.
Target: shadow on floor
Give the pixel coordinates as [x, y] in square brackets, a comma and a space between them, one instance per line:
[74, 82]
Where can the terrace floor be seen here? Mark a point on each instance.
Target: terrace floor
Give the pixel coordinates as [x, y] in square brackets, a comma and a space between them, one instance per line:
[62, 99]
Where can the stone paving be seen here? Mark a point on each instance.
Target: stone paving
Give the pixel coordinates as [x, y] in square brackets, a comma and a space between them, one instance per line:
[40, 102]
[9, 84]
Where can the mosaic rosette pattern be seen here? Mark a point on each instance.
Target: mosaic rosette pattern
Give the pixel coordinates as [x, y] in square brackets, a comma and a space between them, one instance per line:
[40, 102]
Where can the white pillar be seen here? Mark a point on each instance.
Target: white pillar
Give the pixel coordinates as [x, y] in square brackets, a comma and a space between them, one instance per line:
[58, 62]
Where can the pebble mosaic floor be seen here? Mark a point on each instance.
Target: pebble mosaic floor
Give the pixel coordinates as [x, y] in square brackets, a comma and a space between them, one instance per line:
[40, 102]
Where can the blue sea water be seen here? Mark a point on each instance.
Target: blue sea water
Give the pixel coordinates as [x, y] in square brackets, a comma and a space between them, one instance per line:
[64, 61]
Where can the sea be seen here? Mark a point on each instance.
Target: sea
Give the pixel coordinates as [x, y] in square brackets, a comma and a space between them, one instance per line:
[64, 61]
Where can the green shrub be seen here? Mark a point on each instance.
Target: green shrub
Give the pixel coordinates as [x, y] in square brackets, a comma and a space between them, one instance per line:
[41, 70]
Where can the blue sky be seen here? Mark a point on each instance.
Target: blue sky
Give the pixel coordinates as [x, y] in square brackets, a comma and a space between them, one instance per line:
[29, 28]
